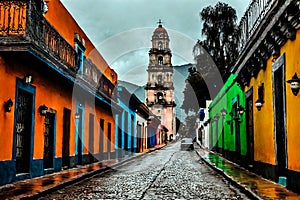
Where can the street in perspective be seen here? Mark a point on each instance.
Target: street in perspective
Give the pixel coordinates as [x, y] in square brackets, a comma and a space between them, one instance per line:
[168, 173]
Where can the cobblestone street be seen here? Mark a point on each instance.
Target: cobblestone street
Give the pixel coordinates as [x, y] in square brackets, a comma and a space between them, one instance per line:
[164, 174]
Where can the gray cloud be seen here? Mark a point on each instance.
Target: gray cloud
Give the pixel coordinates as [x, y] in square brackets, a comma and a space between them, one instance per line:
[105, 20]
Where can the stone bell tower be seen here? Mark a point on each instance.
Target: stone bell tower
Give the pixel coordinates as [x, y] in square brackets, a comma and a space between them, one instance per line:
[159, 88]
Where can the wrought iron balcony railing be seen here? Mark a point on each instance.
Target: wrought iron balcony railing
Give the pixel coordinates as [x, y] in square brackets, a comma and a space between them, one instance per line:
[21, 22]
[23, 27]
[256, 12]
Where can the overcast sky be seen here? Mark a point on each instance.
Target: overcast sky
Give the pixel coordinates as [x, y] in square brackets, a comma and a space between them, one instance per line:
[122, 29]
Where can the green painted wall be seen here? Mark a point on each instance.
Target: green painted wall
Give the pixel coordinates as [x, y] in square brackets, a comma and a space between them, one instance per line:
[230, 97]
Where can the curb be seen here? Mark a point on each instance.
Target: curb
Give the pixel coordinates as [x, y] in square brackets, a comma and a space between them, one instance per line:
[86, 175]
[243, 189]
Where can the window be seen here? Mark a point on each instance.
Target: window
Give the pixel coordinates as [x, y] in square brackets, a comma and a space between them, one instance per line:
[160, 97]
[261, 92]
[160, 46]
[159, 78]
[160, 60]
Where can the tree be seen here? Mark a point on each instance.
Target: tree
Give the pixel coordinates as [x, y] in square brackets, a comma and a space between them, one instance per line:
[195, 92]
[220, 31]
[214, 56]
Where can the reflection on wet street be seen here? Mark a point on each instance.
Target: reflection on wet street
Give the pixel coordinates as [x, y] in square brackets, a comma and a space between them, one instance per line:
[263, 188]
[34, 186]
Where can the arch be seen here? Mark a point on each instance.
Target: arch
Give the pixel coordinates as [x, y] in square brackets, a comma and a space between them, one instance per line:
[160, 97]
[160, 60]
[159, 79]
[160, 45]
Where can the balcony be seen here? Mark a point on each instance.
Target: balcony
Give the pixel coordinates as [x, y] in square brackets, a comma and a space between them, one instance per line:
[24, 28]
[253, 18]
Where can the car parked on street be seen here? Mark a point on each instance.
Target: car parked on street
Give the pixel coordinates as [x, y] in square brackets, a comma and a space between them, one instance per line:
[187, 144]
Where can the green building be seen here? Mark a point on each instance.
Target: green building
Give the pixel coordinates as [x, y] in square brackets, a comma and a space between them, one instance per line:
[228, 122]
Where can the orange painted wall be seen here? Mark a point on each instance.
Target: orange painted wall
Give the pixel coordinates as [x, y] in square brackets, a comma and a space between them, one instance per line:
[48, 92]
[292, 50]
[64, 23]
[7, 118]
[264, 144]
[54, 96]
[57, 97]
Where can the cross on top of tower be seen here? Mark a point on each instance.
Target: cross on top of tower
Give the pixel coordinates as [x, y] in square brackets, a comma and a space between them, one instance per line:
[159, 23]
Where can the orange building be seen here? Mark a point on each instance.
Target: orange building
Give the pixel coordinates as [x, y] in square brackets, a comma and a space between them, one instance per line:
[56, 92]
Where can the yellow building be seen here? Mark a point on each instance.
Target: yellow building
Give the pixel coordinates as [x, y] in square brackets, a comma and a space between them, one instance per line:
[269, 58]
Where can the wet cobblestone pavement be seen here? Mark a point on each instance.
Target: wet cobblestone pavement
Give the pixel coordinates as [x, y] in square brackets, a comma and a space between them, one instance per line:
[259, 187]
[164, 174]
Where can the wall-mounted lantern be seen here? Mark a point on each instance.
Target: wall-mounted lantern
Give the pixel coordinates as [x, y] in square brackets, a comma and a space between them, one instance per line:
[223, 112]
[295, 84]
[230, 121]
[217, 117]
[241, 110]
[258, 104]
[77, 115]
[43, 110]
[28, 79]
[8, 105]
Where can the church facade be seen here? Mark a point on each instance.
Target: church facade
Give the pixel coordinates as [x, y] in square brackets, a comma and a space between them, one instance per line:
[159, 88]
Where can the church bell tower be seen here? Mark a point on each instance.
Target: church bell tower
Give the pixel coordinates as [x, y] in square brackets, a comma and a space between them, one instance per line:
[159, 88]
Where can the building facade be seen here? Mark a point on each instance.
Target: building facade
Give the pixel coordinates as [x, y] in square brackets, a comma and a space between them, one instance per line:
[227, 123]
[59, 105]
[267, 72]
[202, 132]
[159, 88]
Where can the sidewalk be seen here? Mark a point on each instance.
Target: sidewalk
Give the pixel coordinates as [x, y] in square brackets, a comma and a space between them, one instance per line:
[252, 184]
[34, 188]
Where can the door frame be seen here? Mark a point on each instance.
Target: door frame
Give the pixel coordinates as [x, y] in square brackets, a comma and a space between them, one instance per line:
[53, 114]
[235, 103]
[21, 85]
[79, 121]
[250, 136]
[66, 137]
[91, 146]
[280, 65]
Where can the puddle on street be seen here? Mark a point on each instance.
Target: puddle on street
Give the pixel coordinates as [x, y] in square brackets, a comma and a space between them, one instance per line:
[261, 187]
